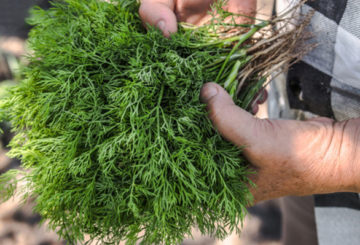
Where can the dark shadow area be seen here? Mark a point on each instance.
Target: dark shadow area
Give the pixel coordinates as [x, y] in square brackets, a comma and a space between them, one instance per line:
[270, 215]
[12, 15]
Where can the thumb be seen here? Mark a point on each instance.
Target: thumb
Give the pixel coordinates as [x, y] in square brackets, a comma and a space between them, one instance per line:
[159, 13]
[232, 122]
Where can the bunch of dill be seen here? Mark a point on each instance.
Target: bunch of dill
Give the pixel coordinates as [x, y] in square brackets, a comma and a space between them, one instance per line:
[109, 123]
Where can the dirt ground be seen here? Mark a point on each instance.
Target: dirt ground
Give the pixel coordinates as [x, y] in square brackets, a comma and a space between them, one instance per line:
[19, 225]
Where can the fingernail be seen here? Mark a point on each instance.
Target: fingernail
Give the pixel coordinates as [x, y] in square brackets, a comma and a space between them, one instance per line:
[161, 25]
[208, 92]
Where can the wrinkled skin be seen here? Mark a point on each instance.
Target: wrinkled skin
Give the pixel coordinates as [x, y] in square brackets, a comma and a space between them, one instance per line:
[290, 157]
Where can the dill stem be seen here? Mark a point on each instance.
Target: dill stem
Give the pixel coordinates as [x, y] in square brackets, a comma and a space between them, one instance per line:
[239, 54]
[251, 91]
[158, 110]
[242, 39]
[231, 78]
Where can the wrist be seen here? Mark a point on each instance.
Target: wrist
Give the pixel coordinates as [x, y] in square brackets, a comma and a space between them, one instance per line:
[350, 154]
[346, 155]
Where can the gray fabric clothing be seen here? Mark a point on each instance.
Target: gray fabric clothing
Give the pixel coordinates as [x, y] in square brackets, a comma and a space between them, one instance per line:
[327, 83]
[336, 26]
[298, 222]
[338, 54]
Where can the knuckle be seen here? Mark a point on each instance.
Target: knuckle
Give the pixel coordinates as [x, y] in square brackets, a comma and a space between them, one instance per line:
[214, 112]
[142, 10]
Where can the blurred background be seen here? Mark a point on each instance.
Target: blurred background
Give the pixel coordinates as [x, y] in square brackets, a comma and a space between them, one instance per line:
[19, 225]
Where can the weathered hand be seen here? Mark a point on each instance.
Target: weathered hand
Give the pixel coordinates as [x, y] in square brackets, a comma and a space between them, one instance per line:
[290, 157]
[164, 14]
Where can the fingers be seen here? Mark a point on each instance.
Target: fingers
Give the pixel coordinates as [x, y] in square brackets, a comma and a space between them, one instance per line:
[235, 124]
[159, 13]
[254, 108]
[193, 11]
[262, 97]
[247, 8]
[259, 99]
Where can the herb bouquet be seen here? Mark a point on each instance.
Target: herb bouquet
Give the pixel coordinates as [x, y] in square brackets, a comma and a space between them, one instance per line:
[109, 124]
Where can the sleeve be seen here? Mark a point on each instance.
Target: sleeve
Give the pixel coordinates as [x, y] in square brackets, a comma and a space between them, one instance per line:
[327, 81]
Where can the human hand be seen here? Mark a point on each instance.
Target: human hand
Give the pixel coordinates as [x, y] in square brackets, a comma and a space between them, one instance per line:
[290, 157]
[164, 14]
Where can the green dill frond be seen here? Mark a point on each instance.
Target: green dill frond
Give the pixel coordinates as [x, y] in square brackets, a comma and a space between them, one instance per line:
[8, 184]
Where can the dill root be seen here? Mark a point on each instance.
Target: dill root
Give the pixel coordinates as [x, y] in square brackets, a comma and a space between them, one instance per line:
[108, 121]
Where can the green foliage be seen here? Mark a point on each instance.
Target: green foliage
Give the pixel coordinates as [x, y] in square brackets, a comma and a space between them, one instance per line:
[108, 120]
[8, 183]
